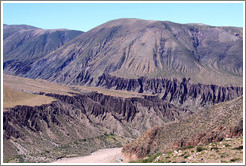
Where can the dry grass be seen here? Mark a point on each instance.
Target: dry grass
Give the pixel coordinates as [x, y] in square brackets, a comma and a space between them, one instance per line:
[32, 86]
[20, 91]
[13, 97]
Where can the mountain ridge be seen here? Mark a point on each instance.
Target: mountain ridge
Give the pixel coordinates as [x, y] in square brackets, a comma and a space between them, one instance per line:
[131, 48]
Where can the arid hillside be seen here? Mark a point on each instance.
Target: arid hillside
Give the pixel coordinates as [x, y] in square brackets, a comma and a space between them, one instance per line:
[134, 48]
[24, 44]
[224, 120]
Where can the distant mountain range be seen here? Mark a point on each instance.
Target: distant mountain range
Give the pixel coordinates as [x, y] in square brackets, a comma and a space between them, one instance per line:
[129, 49]
[24, 44]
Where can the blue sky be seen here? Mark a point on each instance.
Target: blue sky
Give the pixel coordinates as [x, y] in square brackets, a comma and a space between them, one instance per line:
[85, 16]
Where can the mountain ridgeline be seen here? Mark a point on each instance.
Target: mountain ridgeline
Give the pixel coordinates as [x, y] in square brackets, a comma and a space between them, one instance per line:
[130, 48]
[23, 45]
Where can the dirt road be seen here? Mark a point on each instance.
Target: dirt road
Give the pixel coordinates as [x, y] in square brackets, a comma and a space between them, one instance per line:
[111, 155]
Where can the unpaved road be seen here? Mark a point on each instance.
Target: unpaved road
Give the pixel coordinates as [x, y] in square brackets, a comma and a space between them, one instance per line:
[111, 155]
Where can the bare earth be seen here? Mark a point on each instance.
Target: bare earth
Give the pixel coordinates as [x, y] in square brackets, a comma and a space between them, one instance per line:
[110, 155]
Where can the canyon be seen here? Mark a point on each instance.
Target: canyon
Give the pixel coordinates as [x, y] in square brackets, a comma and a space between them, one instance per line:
[147, 86]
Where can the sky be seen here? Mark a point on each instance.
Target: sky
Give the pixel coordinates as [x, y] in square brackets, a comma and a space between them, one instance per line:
[85, 16]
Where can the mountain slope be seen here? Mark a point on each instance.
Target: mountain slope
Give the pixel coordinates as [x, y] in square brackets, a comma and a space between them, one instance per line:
[131, 48]
[23, 45]
[214, 124]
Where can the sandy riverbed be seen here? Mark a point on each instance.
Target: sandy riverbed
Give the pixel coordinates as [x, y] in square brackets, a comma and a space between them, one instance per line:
[111, 155]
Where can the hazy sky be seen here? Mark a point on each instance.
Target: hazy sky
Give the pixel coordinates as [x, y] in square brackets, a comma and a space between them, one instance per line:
[85, 16]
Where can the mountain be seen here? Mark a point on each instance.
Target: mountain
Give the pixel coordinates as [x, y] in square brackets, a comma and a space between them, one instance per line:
[134, 48]
[224, 120]
[24, 44]
[186, 78]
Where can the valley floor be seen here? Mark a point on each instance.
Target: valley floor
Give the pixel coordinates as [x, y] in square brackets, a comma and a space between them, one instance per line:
[110, 155]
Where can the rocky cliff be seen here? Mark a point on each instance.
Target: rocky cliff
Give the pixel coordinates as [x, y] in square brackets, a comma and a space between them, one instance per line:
[214, 124]
[86, 116]
[181, 93]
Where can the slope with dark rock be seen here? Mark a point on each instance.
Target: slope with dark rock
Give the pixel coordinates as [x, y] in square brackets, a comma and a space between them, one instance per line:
[131, 48]
[23, 45]
[174, 91]
[214, 124]
[78, 117]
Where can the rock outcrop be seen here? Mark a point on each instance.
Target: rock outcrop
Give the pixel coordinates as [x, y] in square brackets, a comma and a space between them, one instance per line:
[174, 91]
[214, 124]
[85, 116]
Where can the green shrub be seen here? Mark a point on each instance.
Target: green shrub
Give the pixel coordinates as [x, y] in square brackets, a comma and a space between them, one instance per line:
[238, 148]
[234, 159]
[183, 154]
[150, 159]
[200, 148]
[186, 147]
[160, 161]
[215, 148]
[227, 145]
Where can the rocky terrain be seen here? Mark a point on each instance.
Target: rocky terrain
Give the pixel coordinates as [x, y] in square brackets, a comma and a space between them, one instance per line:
[47, 132]
[230, 150]
[181, 93]
[224, 120]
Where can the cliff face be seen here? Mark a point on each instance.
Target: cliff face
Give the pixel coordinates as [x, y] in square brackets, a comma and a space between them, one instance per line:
[214, 124]
[93, 108]
[178, 92]
[85, 116]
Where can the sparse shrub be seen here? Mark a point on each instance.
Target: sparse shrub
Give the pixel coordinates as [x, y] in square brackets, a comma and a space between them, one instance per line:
[186, 147]
[160, 161]
[222, 161]
[227, 145]
[215, 148]
[200, 148]
[133, 162]
[234, 159]
[168, 153]
[222, 156]
[21, 159]
[183, 154]
[149, 159]
[238, 148]
[192, 151]
[186, 156]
